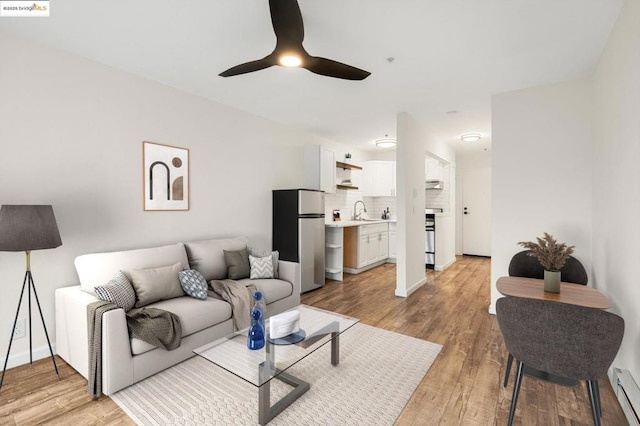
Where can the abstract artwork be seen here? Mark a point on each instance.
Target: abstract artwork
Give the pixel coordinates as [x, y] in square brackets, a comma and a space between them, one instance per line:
[165, 177]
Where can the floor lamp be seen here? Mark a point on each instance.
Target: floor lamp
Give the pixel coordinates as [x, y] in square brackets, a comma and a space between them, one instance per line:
[26, 228]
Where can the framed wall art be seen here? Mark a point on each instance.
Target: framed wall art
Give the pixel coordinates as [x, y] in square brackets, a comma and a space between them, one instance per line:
[165, 177]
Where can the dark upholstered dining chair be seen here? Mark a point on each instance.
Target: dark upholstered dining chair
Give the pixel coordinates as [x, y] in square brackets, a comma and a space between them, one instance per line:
[523, 265]
[562, 339]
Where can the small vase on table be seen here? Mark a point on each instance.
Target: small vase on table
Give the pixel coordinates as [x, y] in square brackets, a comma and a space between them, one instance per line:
[552, 281]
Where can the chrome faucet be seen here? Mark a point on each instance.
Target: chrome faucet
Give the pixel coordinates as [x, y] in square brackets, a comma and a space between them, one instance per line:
[356, 215]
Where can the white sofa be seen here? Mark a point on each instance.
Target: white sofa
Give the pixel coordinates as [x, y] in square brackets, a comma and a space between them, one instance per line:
[126, 361]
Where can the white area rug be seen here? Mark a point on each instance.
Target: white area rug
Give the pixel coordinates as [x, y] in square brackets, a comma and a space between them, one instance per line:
[378, 372]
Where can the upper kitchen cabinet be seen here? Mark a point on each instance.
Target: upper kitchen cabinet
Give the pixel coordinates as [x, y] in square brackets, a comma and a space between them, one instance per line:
[433, 169]
[320, 168]
[379, 178]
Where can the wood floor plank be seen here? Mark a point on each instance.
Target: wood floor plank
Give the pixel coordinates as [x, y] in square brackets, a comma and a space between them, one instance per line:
[463, 386]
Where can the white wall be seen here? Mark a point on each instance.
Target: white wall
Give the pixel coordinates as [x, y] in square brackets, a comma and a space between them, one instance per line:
[541, 171]
[414, 141]
[71, 135]
[616, 180]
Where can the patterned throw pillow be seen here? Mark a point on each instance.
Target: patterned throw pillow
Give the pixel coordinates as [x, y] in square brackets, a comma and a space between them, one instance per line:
[264, 253]
[119, 291]
[261, 267]
[193, 283]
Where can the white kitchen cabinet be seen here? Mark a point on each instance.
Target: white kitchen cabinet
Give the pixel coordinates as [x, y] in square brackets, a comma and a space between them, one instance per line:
[379, 178]
[393, 242]
[364, 251]
[320, 168]
[433, 169]
[365, 246]
[383, 245]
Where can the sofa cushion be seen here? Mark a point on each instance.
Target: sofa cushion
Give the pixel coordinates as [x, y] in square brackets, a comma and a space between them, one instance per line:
[195, 315]
[156, 284]
[272, 289]
[237, 262]
[98, 268]
[119, 291]
[207, 256]
[261, 267]
[275, 255]
[193, 283]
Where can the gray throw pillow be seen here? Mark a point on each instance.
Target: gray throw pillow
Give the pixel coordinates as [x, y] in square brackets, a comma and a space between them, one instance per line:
[152, 285]
[261, 267]
[275, 255]
[193, 283]
[237, 264]
[119, 291]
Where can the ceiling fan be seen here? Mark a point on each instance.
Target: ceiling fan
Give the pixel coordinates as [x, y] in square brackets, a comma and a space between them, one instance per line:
[287, 24]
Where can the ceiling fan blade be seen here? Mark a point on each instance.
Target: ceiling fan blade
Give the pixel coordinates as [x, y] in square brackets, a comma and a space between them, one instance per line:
[247, 67]
[335, 69]
[287, 22]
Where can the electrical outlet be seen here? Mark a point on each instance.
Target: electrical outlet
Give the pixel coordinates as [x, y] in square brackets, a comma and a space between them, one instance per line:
[20, 330]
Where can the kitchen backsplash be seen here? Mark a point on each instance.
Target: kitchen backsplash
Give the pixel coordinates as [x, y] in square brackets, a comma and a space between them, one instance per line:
[435, 198]
[344, 201]
[376, 205]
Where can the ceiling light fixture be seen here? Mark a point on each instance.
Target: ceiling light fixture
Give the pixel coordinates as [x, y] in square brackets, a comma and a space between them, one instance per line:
[386, 142]
[290, 61]
[471, 137]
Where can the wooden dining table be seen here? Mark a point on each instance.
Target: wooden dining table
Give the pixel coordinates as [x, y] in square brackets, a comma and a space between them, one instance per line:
[533, 288]
[574, 294]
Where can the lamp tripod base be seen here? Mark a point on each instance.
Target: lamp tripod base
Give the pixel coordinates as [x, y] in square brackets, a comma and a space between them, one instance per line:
[29, 284]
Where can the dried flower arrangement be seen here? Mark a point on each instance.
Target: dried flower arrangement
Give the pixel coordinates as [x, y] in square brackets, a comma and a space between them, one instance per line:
[550, 254]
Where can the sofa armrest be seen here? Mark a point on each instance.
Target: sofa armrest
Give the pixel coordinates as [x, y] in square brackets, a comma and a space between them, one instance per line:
[72, 341]
[290, 271]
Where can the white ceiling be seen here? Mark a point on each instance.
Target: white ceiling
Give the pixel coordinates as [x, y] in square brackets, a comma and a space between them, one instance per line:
[449, 55]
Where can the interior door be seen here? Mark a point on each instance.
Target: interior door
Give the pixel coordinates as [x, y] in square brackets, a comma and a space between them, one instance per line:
[476, 212]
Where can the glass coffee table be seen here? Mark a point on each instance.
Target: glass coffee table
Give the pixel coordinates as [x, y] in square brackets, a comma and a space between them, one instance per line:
[271, 362]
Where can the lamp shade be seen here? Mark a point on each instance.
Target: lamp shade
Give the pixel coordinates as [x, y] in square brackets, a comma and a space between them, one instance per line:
[28, 227]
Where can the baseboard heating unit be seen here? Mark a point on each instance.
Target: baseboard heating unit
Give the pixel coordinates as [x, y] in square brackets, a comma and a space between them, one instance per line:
[628, 395]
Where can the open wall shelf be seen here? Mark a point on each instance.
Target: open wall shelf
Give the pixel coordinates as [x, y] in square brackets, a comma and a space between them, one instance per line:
[347, 166]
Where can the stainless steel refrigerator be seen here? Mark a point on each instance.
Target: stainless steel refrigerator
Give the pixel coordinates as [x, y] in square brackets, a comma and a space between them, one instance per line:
[298, 232]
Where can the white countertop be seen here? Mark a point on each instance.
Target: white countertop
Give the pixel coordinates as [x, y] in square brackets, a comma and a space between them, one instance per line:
[347, 223]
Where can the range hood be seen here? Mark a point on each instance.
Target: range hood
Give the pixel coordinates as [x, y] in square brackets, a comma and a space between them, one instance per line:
[434, 184]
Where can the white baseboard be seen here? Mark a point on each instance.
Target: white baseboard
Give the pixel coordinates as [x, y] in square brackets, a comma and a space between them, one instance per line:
[23, 357]
[492, 309]
[628, 393]
[445, 266]
[411, 288]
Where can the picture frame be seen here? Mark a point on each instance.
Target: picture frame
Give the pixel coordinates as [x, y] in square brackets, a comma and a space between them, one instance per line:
[165, 177]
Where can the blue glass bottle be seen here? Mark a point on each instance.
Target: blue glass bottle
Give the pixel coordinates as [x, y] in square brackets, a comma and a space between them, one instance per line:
[258, 304]
[256, 337]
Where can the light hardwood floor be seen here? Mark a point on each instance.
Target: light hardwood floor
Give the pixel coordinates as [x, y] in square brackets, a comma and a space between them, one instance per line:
[463, 386]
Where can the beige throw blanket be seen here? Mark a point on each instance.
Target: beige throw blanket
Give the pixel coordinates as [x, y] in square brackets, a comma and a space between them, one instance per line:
[239, 296]
[154, 326]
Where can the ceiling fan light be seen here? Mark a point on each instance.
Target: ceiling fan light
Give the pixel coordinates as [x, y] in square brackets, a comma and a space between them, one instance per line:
[471, 137]
[386, 143]
[290, 61]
